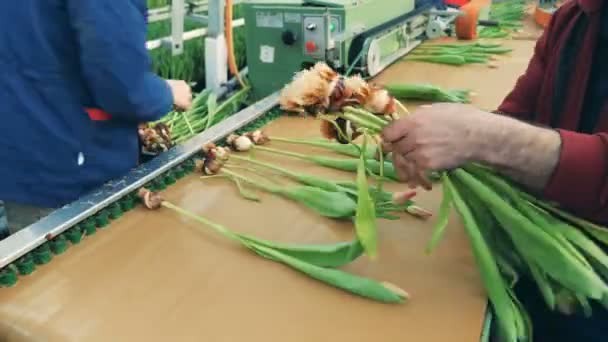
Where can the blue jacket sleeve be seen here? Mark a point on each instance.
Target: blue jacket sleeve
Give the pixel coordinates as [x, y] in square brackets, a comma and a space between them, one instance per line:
[111, 35]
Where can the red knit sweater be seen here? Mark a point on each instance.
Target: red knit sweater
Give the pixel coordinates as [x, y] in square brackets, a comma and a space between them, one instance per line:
[580, 181]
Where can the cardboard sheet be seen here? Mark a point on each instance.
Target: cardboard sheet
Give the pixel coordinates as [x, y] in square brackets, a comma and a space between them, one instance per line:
[156, 276]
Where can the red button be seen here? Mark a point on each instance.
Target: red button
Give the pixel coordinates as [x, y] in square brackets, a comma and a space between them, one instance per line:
[311, 46]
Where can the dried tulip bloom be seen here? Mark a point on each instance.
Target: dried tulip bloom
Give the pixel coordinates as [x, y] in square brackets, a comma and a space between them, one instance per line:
[319, 90]
[151, 200]
[309, 92]
[372, 98]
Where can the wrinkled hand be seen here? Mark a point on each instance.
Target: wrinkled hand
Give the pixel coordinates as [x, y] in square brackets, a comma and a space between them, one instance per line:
[182, 94]
[433, 138]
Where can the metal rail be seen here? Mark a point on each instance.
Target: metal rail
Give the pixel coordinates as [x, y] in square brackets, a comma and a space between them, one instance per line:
[188, 35]
[216, 64]
[191, 7]
[26, 240]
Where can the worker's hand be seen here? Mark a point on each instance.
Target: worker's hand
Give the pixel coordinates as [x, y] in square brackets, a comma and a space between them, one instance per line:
[408, 172]
[182, 94]
[433, 138]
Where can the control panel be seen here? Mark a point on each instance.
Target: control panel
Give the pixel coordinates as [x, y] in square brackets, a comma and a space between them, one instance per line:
[315, 35]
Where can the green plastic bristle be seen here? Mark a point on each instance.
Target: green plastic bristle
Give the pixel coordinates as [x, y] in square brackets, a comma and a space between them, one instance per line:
[59, 245]
[89, 227]
[43, 254]
[115, 211]
[159, 185]
[74, 234]
[102, 219]
[127, 203]
[169, 179]
[179, 172]
[26, 265]
[135, 197]
[189, 166]
[151, 186]
[8, 277]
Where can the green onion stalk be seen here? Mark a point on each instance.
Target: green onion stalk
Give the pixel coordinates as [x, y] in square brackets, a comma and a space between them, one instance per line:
[457, 54]
[509, 15]
[428, 92]
[205, 113]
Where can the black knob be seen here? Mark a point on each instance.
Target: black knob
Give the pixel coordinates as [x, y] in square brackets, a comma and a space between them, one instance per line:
[288, 37]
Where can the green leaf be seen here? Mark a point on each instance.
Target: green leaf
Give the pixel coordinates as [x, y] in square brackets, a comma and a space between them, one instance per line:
[326, 203]
[246, 194]
[543, 285]
[548, 253]
[363, 287]
[312, 256]
[334, 255]
[365, 218]
[443, 216]
[490, 274]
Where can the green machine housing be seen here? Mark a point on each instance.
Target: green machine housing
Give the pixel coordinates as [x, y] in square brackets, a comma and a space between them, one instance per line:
[286, 36]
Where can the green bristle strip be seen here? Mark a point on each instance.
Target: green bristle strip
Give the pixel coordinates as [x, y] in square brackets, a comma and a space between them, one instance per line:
[179, 172]
[26, 265]
[102, 219]
[59, 245]
[115, 211]
[43, 254]
[189, 166]
[169, 178]
[159, 185]
[8, 277]
[136, 199]
[74, 234]
[89, 227]
[127, 203]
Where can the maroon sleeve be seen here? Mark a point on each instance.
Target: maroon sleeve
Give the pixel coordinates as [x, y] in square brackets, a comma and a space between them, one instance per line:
[580, 180]
[521, 103]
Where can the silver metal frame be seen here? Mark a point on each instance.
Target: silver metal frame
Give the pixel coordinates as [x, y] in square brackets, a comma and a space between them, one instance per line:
[216, 64]
[177, 27]
[26, 240]
[192, 8]
[216, 54]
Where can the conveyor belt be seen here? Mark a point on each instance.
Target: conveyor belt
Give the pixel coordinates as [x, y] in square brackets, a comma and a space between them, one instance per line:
[153, 274]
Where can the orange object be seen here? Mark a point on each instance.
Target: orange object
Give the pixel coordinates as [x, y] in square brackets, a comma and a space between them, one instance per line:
[466, 24]
[230, 43]
[542, 16]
